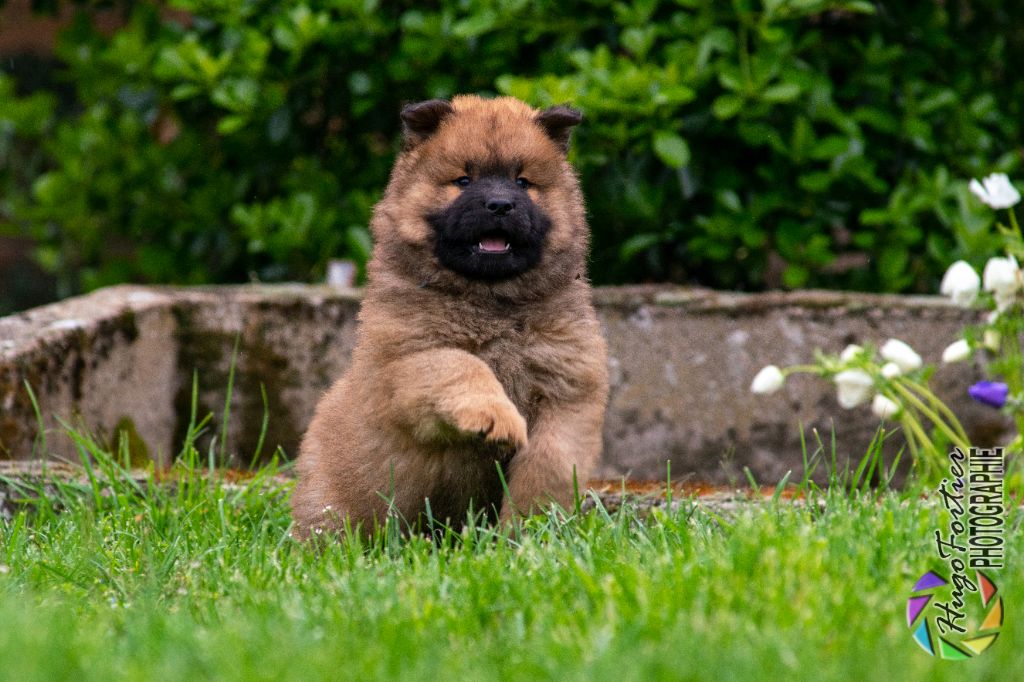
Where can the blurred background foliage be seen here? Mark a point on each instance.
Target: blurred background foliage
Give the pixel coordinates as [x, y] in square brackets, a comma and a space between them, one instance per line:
[746, 144]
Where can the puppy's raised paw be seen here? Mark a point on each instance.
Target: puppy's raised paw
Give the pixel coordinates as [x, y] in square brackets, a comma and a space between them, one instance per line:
[497, 421]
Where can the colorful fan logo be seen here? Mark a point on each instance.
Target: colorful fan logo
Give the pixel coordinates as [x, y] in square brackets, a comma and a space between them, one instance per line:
[954, 646]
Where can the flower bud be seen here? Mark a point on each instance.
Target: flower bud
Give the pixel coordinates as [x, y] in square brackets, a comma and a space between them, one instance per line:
[884, 408]
[850, 352]
[992, 393]
[961, 283]
[997, 191]
[956, 351]
[891, 370]
[903, 355]
[855, 387]
[1002, 278]
[768, 380]
[1001, 273]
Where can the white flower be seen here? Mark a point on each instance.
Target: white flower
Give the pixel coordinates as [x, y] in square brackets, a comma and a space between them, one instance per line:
[850, 352]
[884, 407]
[855, 387]
[768, 380]
[956, 351]
[903, 355]
[1002, 277]
[990, 339]
[961, 283]
[1002, 273]
[997, 191]
[891, 370]
[992, 317]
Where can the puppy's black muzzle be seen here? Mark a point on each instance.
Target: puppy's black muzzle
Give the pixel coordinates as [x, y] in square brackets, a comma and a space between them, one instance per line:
[499, 206]
[493, 231]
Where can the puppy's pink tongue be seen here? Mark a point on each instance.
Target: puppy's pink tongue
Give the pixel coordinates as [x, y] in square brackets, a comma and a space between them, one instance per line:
[493, 244]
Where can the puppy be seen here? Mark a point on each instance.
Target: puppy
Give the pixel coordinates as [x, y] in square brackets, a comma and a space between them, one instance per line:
[478, 356]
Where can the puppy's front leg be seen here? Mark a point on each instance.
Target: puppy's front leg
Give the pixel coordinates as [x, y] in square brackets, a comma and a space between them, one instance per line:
[565, 442]
[445, 389]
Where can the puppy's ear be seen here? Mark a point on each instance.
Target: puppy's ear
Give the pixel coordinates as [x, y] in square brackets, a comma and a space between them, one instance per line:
[558, 122]
[421, 120]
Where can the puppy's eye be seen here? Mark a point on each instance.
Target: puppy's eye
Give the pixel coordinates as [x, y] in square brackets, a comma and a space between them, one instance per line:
[463, 181]
[523, 182]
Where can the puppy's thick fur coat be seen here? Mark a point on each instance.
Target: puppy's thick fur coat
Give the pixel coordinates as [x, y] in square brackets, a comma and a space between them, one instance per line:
[478, 346]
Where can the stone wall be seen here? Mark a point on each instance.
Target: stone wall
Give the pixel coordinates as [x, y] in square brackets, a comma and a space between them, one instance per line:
[124, 358]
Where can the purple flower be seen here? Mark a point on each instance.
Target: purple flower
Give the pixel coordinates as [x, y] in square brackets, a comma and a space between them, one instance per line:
[989, 392]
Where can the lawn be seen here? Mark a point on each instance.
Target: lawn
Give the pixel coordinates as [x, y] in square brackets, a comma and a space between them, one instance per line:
[199, 578]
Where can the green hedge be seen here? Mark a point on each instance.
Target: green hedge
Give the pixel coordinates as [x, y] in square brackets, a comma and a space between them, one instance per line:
[732, 144]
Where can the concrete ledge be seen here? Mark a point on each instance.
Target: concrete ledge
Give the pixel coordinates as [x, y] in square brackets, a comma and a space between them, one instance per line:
[123, 358]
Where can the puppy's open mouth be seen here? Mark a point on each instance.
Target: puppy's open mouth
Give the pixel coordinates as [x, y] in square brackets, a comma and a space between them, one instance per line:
[494, 242]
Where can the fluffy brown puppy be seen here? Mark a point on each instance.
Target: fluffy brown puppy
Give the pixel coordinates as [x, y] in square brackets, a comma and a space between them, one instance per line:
[478, 346]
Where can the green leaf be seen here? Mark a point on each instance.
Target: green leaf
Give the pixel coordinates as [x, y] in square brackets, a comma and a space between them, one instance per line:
[783, 92]
[803, 136]
[730, 200]
[758, 134]
[875, 216]
[639, 40]
[830, 147]
[939, 100]
[795, 276]
[237, 94]
[726, 106]
[185, 91]
[48, 188]
[231, 124]
[730, 79]
[359, 243]
[892, 264]
[859, 6]
[673, 95]
[816, 182]
[716, 40]
[637, 244]
[171, 63]
[476, 24]
[671, 149]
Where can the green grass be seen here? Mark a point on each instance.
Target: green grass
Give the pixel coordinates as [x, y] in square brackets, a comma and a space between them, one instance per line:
[113, 580]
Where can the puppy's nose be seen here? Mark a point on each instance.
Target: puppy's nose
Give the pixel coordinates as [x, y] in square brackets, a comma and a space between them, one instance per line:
[499, 206]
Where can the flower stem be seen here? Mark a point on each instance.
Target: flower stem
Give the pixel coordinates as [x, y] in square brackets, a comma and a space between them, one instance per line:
[930, 414]
[1013, 222]
[913, 430]
[908, 435]
[938, 404]
[803, 369]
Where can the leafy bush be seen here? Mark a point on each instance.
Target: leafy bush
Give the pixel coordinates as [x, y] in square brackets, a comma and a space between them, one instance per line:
[817, 139]
[747, 144]
[23, 120]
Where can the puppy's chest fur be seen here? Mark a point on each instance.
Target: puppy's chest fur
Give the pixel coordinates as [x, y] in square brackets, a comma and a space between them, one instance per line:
[533, 366]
